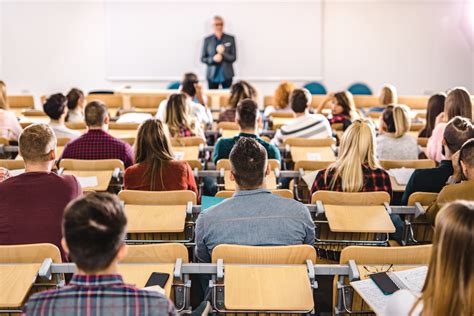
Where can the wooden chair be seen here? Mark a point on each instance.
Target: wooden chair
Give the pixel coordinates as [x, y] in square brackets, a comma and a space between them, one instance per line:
[267, 100]
[230, 185]
[421, 229]
[4, 141]
[378, 256]
[18, 103]
[413, 164]
[149, 101]
[187, 141]
[156, 217]
[91, 165]
[280, 192]
[156, 253]
[282, 114]
[350, 219]
[76, 125]
[228, 129]
[366, 101]
[300, 187]
[310, 149]
[12, 164]
[187, 148]
[111, 100]
[419, 102]
[29, 253]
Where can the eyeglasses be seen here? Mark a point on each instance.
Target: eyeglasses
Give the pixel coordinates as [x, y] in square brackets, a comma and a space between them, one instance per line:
[218, 24]
[371, 269]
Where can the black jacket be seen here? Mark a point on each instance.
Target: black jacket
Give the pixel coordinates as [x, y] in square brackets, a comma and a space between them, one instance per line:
[229, 56]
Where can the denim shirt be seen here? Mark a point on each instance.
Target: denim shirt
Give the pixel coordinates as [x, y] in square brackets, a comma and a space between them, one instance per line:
[254, 218]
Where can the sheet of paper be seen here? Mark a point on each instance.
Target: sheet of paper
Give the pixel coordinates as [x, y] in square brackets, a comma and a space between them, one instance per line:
[179, 155]
[309, 177]
[371, 294]
[401, 175]
[16, 172]
[313, 156]
[88, 182]
[413, 279]
[155, 288]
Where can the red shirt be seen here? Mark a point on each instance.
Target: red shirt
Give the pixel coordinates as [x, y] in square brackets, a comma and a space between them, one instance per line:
[32, 206]
[177, 175]
[97, 144]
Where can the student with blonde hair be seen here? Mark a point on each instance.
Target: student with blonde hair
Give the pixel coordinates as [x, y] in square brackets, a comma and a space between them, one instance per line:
[281, 99]
[393, 142]
[449, 284]
[178, 121]
[388, 96]
[9, 126]
[343, 109]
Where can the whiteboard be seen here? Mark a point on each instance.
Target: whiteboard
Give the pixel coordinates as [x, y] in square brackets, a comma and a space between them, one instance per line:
[161, 40]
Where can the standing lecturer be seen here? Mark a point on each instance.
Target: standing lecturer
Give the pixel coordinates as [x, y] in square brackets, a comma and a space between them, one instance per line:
[219, 53]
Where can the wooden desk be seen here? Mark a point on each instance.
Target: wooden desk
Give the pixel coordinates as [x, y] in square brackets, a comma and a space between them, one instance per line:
[103, 178]
[34, 119]
[272, 288]
[123, 133]
[278, 122]
[395, 186]
[186, 152]
[229, 185]
[309, 153]
[358, 219]
[15, 283]
[155, 218]
[229, 133]
[138, 274]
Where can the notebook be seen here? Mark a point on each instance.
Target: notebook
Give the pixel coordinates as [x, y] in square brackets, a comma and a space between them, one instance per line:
[87, 182]
[401, 175]
[411, 279]
[209, 201]
[179, 155]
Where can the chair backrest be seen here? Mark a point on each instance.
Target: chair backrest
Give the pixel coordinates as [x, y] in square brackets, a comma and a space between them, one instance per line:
[91, 165]
[228, 126]
[173, 85]
[187, 141]
[424, 198]
[415, 164]
[157, 197]
[29, 253]
[285, 193]
[63, 141]
[360, 89]
[225, 164]
[267, 100]
[312, 165]
[21, 101]
[351, 198]
[124, 126]
[148, 100]
[4, 141]
[282, 114]
[311, 142]
[156, 253]
[386, 255]
[316, 88]
[110, 100]
[296, 254]
[414, 101]
[33, 112]
[366, 101]
[194, 164]
[76, 125]
[12, 164]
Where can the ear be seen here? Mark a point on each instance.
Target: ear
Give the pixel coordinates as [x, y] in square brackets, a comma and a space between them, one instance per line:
[236, 120]
[443, 142]
[52, 154]
[64, 245]
[122, 252]
[269, 169]
[464, 168]
[107, 120]
[232, 177]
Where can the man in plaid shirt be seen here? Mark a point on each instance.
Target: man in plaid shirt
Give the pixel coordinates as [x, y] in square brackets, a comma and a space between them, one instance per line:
[97, 143]
[94, 229]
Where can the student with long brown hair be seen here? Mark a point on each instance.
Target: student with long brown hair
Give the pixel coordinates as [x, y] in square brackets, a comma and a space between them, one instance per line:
[178, 121]
[9, 126]
[449, 285]
[239, 91]
[343, 108]
[435, 108]
[156, 168]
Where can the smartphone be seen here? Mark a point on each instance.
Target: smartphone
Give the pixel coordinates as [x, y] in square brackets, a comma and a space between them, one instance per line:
[157, 278]
[385, 284]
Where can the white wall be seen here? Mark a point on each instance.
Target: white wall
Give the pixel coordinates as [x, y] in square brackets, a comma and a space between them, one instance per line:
[49, 46]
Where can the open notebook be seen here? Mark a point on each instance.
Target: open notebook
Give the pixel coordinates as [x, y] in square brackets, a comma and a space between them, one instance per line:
[411, 279]
[401, 175]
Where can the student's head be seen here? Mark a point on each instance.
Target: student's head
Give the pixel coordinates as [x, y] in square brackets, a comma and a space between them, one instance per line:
[357, 149]
[247, 115]
[177, 113]
[395, 120]
[218, 24]
[281, 98]
[56, 106]
[3, 96]
[248, 160]
[188, 85]
[435, 107]
[466, 159]
[458, 103]
[458, 131]
[239, 91]
[388, 95]
[37, 145]
[344, 104]
[75, 99]
[300, 100]
[449, 285]
[96, 115]
[94, 229]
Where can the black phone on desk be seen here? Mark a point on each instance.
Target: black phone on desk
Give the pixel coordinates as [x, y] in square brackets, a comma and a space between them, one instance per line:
[384, 283]
[157, 278]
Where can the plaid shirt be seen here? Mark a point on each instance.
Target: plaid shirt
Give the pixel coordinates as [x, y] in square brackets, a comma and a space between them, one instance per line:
[97, 144]
[98, 295]
[374, 180]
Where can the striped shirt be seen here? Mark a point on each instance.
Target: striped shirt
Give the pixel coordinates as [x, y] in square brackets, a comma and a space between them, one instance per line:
[306, 126]
[99, 295]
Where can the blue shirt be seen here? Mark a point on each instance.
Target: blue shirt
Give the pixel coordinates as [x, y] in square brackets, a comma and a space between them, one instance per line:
[219, 74]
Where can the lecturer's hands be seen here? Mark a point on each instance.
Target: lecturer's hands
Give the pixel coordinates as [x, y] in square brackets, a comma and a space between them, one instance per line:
[220, 49]
[217, 58]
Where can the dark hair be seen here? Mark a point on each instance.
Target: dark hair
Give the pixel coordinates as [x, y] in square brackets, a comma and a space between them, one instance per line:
[187, 85]
[466, 153]
[55, 105]
[247, 111]
[457, 132]
[346, 101]
[248, 161]
[299, 101]
[458, 103]
[239, 91]
[73, 98]
[94, 229]
[435, 107]
[95, 113]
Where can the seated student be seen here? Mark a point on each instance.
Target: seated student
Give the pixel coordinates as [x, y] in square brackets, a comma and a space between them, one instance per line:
[248, 119]
[10, 128]
[435, 107]
[76, 102]
[305, 125]
[457, 132]
[343, 108]
[238, 91]
[449, 283]
[178, 121]
[281, 99]
[191, 88]
[97, 143]
[458, 103]
[253, 216]
[56, 108]
[388, 95]
[459, 191]
[32, 203]
[394, 142]
[94, 229]
[156, 168]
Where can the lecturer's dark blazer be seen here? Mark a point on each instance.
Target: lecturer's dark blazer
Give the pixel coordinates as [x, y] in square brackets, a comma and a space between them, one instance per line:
[228, 58]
